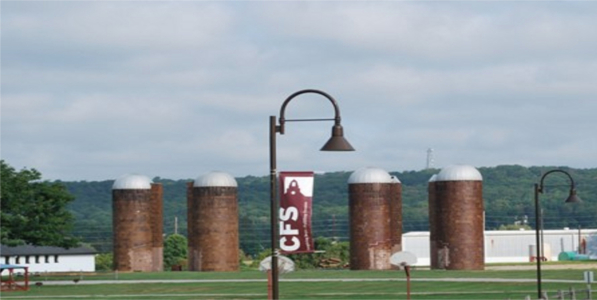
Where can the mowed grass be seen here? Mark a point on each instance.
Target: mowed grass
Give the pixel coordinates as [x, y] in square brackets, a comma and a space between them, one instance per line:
[380, 285]
[289, 290]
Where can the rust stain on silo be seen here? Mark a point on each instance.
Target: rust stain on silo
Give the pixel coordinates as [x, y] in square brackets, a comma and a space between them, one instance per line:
[459, 225]
[190, 224]
[157, 226]
[371, 237]
[213, 229]
[133, 238]
[433, 228]
[395, 196]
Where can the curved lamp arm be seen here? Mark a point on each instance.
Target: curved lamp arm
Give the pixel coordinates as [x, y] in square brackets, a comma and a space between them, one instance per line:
[283, 120]
[337, 142]
[573, 197]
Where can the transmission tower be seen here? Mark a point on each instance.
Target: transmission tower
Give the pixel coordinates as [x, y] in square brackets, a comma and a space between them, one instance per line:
[430, 160]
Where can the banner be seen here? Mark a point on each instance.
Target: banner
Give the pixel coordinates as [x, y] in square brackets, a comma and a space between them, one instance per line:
[296, 195]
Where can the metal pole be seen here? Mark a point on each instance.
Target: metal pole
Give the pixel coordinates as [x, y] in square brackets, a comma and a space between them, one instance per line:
[407, 271]
[336, 143]
[269, 285]
[274, 205]
[580, 250]
[539, 189]
[542, 233]
[538, 246]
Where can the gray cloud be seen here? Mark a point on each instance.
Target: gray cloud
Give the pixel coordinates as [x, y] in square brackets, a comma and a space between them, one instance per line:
[92, 90]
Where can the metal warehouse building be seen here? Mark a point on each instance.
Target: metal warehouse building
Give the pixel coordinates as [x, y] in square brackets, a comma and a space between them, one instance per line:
[512, 246]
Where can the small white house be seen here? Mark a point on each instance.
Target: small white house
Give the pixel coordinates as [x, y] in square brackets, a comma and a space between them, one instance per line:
[41, 259]
[512, 246]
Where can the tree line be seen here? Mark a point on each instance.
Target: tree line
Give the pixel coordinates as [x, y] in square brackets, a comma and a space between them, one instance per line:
[508, 193]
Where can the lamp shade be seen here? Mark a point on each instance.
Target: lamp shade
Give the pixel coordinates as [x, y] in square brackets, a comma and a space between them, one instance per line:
[337, 142]
[573, 198]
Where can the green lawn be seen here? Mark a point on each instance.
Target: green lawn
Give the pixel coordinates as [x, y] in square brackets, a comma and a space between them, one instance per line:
[293, 290]
[377, 289]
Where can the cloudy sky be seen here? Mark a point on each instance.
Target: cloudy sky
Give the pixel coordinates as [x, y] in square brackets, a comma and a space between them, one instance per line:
[94, 90]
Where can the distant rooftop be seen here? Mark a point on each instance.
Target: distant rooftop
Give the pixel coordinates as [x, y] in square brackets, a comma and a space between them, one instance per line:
[42, 250]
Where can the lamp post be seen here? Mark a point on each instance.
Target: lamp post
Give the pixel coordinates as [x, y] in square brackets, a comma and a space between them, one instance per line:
[335, 143]
[572, 198]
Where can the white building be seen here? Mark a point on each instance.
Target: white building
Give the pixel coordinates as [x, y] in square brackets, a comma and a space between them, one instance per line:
[504, 246]
[49, 259]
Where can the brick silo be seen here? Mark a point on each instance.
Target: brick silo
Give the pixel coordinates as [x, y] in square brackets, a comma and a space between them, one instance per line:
[374, 225]
[190, 241]
[213, 224]
[395, 195]
[458, 219]
[137, 224]
[433, 221]
[157, 226]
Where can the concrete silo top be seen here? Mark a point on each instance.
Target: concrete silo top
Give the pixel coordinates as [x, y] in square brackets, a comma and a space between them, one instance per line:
[433, 178]
[370, 175]
[459, 173]
[215, 179]
[132, 182]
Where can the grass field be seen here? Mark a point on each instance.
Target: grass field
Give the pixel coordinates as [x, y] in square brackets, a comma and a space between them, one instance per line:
[315, 284]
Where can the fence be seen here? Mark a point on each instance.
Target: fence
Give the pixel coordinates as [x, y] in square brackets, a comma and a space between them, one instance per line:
[571, 294]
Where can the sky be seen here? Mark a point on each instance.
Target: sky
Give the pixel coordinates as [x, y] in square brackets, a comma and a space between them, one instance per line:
[176, 89]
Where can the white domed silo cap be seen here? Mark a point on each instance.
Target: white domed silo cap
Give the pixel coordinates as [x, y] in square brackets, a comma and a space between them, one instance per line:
[433, 178]
[459, 173]
[370, 175]
[132, 182]
[215, 179]
[395, 179]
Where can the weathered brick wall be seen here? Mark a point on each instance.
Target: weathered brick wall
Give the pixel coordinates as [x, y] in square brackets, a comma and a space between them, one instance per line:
[213, 219]
[157, 226]
[433, 228]
[371, 237]
[459, 225]
[395, 195]
[133, 235]
[190, 228]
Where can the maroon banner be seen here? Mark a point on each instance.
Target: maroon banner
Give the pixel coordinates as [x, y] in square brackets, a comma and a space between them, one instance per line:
[296, 196]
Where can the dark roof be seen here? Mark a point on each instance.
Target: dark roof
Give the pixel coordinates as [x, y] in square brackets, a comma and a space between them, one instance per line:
[4, 267]
[43, 250]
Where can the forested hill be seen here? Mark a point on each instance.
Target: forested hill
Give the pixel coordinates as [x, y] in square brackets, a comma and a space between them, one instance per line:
[508, 192]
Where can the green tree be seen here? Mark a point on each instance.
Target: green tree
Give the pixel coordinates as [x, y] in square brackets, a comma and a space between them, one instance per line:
[175, 250]
[34, 211]
[104, 262]
[331, 254]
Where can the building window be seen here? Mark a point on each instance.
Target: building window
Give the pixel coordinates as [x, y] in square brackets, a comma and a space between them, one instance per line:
[6, 260]
[56, 258]
[37, 259]
[47, 258]
[27, 259]
[18, 260]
